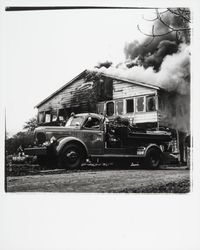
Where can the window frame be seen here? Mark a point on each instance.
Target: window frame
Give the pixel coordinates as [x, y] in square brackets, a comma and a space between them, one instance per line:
[144, 109]
[48, 114]
[114, 110]
[41, 113]
[92, 128]
[155, 98]
[127, 99]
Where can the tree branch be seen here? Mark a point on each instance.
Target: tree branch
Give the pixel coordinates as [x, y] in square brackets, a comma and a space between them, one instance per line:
[186, 18]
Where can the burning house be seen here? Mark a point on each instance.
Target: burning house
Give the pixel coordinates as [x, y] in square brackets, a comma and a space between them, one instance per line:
[151, 88]
[145, 105]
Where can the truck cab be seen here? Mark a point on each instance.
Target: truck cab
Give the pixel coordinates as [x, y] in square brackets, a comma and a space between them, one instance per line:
[93, 136]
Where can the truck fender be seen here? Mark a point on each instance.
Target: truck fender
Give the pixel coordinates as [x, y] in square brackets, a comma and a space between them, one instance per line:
[152, 146]
[64, 141]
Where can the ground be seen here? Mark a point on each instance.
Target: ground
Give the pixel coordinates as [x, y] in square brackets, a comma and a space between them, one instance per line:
[131, 180]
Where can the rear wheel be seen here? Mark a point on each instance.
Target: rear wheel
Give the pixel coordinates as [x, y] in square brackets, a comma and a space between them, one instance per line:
[152, 159]
[71, 157]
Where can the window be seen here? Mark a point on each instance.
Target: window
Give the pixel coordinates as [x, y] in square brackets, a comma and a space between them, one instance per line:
[140, 104]
[41, 117]
[61, 114]
[130, 106]
[47, 117]
[150, 103]
[92, 123]
[119, 107]
[54, 118]
[74, 121]
[110, 108]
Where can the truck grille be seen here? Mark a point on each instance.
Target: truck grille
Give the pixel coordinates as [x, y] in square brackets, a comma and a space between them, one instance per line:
[41, 137]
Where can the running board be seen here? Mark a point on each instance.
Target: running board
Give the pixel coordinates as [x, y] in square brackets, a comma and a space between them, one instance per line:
[117, 156]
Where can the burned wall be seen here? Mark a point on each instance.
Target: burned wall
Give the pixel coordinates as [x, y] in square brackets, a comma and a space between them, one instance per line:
[80, 96]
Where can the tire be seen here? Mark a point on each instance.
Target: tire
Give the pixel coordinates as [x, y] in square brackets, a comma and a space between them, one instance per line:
[71, 157]
[152, 159]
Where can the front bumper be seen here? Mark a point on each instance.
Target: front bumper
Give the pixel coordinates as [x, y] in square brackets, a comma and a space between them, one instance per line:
[36, 151]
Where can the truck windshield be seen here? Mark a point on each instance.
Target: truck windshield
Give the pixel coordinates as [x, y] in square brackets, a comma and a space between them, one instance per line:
[74, 121]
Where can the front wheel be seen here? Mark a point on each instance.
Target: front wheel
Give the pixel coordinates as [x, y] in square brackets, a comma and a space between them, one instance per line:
[152, 159]
[71, 157]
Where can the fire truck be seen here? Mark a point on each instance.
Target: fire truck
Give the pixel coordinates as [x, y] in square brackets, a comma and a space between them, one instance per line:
[92, 136]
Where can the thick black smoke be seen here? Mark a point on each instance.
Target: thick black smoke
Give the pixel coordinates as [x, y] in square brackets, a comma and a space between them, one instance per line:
[163, 61]
[151, 52]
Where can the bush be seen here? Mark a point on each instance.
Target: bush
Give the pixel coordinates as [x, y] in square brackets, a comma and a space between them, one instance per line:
[23, 139]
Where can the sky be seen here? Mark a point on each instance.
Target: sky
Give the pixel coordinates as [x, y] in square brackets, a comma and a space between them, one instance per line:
[42, 50]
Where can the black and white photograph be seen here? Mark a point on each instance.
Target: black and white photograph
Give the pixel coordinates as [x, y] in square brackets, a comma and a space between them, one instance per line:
[101, 110]
[98, 102]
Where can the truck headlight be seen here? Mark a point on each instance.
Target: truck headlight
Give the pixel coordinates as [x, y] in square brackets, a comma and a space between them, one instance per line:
[52, 140]
[46, 143]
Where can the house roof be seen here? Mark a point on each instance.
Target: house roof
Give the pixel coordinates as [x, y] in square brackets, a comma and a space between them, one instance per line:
[147, 85]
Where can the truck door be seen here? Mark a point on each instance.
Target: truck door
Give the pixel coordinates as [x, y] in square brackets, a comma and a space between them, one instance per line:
[93, 136]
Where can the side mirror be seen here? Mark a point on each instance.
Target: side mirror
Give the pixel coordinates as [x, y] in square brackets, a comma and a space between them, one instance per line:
[77, 124]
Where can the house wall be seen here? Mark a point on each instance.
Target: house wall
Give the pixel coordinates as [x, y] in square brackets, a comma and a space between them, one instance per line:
[62, 99]
[84, 96]
[123, 91]
[80, 96]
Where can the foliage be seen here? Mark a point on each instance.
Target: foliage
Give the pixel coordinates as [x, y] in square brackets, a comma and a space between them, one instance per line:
[31, 124]
[22, 139]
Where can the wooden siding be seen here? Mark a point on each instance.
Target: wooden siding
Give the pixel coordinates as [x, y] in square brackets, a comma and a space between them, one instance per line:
[124, 90]
[140, 117]
[86, 96]
[145, 117]
[63, 99]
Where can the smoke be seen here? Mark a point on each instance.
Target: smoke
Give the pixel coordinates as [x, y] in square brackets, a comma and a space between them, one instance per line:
[176, 113]
[174, 73]
[152, 51]
[164, 62]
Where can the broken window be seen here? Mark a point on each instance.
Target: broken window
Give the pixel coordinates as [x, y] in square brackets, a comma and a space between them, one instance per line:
[61, 114]
[129, 106]
[140, 104]
[110, 108]
[41, 117]
[151, 103]
[119, 107]
[54, 118]
[47, 117]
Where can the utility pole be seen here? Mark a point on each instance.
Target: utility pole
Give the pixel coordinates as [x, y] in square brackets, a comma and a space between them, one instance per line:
[5, 177]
